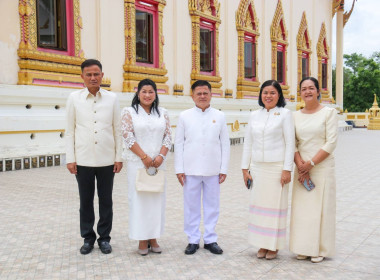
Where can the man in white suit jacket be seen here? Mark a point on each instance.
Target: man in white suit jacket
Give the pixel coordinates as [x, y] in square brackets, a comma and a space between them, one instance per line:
[202, 153]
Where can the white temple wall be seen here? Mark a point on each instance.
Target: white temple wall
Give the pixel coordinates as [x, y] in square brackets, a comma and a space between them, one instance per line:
[9, 41]
[102, 37]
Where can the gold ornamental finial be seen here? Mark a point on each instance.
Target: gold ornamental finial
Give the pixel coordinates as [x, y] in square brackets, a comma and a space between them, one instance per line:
[375, 105]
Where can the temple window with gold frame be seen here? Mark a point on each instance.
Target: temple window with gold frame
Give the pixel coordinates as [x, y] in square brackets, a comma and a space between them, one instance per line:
[207, 47]
[50, 47]
[205, 21]
[303, 52]
[144, 44]
[249, 58]
[281, 66]
[247, 28]
[146, 34]
[52, 30]
[279, 39]
[324, 73]
[323, 65]
[305, 64]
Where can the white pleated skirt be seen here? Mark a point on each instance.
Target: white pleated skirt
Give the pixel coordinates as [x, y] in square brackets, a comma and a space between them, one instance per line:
[268, 206]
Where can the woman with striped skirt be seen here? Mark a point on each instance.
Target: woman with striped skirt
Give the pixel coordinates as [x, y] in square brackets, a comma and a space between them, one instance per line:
[268, 161]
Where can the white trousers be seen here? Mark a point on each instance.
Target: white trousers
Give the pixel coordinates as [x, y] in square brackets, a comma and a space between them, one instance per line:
[192, 194]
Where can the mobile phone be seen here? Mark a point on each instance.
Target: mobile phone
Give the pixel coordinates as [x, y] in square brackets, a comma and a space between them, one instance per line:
[308, 184]
[249, 183]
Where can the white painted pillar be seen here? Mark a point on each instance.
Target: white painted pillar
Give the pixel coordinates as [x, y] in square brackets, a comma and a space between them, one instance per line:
[339, 58]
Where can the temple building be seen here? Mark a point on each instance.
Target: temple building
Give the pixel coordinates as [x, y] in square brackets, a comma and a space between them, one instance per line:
[235, 45]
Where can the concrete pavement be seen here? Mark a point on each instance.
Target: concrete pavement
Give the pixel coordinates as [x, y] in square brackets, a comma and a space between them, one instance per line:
[39, 228]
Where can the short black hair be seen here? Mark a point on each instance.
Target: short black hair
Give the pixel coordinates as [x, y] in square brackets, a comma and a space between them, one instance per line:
[316, 84]
[281, 100]
[90, 62]
[136, 100]
[200, 83]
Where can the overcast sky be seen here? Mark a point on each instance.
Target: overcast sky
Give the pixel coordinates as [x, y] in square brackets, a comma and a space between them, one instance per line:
[362, 31]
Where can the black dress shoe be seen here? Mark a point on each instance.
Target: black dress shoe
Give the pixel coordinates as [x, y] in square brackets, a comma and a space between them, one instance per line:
[214, 248]
[105, 247]
[86, 248]
[191, 249]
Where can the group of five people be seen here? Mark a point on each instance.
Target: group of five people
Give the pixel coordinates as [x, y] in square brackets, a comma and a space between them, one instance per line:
[275, 139]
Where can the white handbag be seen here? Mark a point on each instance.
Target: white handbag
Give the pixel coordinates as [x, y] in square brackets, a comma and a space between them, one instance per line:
[150, 180]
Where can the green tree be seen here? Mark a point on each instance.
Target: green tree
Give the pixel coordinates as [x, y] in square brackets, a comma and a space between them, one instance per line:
[347, 73]
[363, 81]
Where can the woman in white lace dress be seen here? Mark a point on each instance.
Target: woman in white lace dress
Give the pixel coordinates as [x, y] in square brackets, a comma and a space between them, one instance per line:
[147, 138]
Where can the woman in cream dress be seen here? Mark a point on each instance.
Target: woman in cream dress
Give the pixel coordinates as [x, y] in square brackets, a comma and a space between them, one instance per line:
[147, 137]
[312, 227]
[269, 154]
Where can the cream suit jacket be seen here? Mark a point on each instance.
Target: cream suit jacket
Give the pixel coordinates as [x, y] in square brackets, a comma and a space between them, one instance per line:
[93, 128]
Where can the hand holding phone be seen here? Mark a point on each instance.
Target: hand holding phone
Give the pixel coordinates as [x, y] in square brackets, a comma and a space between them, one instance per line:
[308, 184]
[249, 183]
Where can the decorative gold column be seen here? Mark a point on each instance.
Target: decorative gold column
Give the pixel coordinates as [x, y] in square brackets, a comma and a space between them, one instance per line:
[38, 67]
[209, 10]
[323, 51]
[133, 73]
[303, 45]
[246, 24]
[279, 35]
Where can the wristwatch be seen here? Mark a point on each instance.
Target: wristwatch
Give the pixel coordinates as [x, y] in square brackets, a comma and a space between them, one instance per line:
[312, 163]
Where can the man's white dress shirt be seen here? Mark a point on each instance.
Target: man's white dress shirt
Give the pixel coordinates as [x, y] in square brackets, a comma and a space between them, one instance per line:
[269, 137]
[202, 144]
[93, 128]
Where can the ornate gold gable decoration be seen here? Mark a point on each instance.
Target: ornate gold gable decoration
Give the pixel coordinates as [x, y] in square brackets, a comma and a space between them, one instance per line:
[323, 53]
[336, 5]
[303, 45]
[339, 5]
[208, 9]
[346, 15]
[45, 68]
[246, 22]
[279, 35]
[133, 73]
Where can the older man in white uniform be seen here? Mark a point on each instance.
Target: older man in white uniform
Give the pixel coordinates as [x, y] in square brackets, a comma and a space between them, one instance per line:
[202, 153]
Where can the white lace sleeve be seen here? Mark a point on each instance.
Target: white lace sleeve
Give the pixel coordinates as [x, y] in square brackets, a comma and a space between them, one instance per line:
[167, 141]
[127, 129]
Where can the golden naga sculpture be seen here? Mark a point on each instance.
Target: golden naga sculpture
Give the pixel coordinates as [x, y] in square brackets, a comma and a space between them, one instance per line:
[374, 116]
[339, 5]
[346, 15]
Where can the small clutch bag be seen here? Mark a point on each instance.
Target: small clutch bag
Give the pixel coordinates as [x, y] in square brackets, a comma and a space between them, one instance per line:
[150, 180]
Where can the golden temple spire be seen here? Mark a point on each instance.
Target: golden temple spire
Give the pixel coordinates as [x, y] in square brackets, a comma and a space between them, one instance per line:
[374, 116]
[375, 105]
